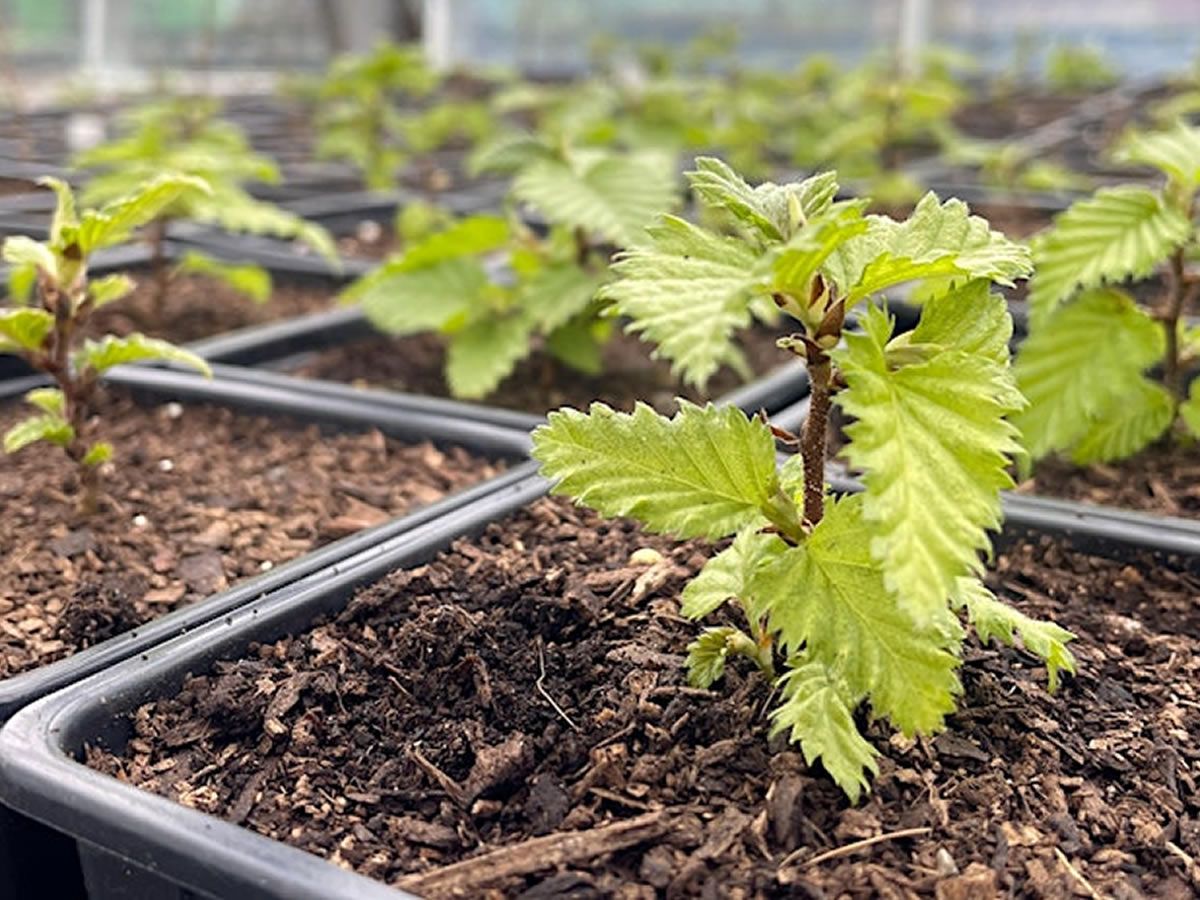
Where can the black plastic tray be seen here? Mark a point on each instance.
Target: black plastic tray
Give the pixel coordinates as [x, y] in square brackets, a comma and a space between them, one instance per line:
[136, 844]
[35, 862]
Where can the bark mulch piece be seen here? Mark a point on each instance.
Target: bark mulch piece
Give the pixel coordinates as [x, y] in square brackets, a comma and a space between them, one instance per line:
[415, 364]
[1163, 479]
[512, 720]
[197, 307]
[200, 497]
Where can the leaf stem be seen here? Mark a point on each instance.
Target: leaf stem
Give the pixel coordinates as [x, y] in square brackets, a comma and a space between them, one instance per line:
[813, 437]
[1179, 296]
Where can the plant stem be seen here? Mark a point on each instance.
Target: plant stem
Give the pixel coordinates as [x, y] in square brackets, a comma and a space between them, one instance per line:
[76, 393]
[813, 437]
[1179, 296]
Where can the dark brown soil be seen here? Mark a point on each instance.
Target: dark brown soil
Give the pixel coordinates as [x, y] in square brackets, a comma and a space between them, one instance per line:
[520, 702]
[198, 307]
[200, 497]
[1010, 118]
[414, 364]
[1161, 479]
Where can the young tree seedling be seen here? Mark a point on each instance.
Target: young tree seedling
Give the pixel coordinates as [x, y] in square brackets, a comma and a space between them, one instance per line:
[1085, 365]
[185, 135]
[848, 601]
[49, 330]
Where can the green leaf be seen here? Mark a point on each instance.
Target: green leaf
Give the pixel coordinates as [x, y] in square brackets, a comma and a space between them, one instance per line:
[24, 328]
[98, 454]
[613, 196]
[1138, 418]
[433, 298]
[1118, 233]
[767, 208]
[706, 472]
[48, 427]
[1189, 410]
[113, 223]
[110, 288]
[817, 710]
[25, 251]
[1077, 366]
[556, 294]
[967, 318]
[22, 279]
[801, 258]
[483, 353]
[64, 207]
[247, 278]
[110, 351]
[472, 236]
[827, 596]
[508, 153]
[729, 574]
[931, 438]
[707, 655]
[1175, 152]
[688, 292]
[994, 619]
[580, 344]
[48, 400]
[937, 240]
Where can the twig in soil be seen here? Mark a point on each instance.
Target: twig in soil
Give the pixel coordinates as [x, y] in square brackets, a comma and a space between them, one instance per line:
[540, 684]
[848, 849]
[554, 850]
[1193, 871]
[1076, 874]
[447, 784]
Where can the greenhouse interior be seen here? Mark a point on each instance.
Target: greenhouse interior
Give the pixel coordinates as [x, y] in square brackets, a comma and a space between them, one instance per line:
[530, 449]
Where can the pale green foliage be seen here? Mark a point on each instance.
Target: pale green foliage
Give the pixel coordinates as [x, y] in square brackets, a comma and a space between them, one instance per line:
[24, 329]
[1175, 152]
[1084, 370]
[187, 138]
[707, 472]
[245, 278]
[858, 597]
[1118, 233]
[1078, 69]
[102, 355]
[932, 440]
[1189, 411]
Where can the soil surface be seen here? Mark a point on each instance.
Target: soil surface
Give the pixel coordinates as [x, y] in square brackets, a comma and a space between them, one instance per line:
[1162, 479]
[539, 382]
[994, 118]
[200, 497]
[518, 707]
[198, 307]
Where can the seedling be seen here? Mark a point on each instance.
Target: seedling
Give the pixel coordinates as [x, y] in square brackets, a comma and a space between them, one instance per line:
[185, 135]
[358, 117]
[1078, 69]
[1084, 366]
[49, 330]
[850, 601]
[496, 291]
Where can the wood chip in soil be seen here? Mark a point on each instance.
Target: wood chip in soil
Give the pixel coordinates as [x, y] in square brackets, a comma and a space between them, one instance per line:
[200, 498]
[512, 720]
[539, 383]
[199, 307]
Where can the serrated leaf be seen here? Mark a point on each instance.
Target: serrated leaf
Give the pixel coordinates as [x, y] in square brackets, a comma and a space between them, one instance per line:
[115, 221]
[48, 427]
[766, 207]
[791, 477]
[707, 655]
[1118, 233]
[246, 278]
[427, 299]
[729, 574]
[817, 711]
[937, 240]
[1075, 367]
[64, 206]
[1137, 418]
[472, 236]
[24, 328]
[110, 351]
[507, 153]
[801, 258]
[25, 251]
[993, 619]
[932, 441]
[110, 288]
[827, 596]
[48, 400]
[705, 472]
[613, 196]
[579, 344]
[688, 292]
[483, 353]
[1175, 152]
[556, 294]
[968, 318]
